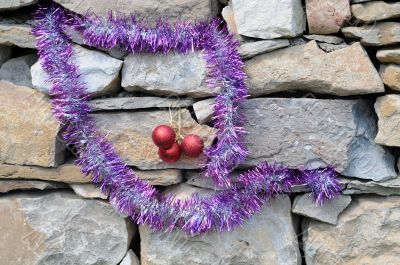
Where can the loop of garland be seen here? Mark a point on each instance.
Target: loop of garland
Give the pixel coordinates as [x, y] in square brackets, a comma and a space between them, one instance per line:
[221, 211]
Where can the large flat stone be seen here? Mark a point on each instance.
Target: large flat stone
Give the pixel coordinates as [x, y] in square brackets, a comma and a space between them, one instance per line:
[327, 73]
[330, 39]
[367, 233]
[6, 5]
[88, 191]
[375, 11]
[152, 10]
[171, 74]
[379, 34]
[251, 49]
[16, 34]
[7, 185]
[388, 110]
[389, 55]
[69, 173]
[18, 70]
[130, 132]
[390, 75]
[60, 228]
[28, 131]
[385, 188]
[99, 72]
[204, 110]
[131, 103]
[254, 18]
[327, 17]
[267, 238]
[327, 213]
[163, 177]
[316, 133]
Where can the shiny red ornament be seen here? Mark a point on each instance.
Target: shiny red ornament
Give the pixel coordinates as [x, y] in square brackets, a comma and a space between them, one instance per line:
[170, 155]
[192, 145]
[163, 136]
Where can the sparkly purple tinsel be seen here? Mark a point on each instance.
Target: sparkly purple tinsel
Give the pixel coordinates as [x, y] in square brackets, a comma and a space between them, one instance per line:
[221, 211]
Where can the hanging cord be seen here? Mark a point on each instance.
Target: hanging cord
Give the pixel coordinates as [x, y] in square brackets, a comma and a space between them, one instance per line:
[176, 126]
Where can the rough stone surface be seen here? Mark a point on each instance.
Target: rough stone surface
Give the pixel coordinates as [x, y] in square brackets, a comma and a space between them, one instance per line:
[28, 131]
[389, 55]
[173, 9]
[18, 70]
[317, 133]
[16, 34]
[384, 33]
[15, 4]
[327, 17]
[375, 11]
[5, 53]
[327, 213]
[327, 73]
[87, 191]
[10, 185]
[388, 110]
[267, 238]
[385, 188]
[390, 75]
[171, 74]
[130, 259]
[131, 134]
[251, 49]
[367, 233]
[100, 72]
[60, 228]
[204, 110]
[253, 18]
[130, 103]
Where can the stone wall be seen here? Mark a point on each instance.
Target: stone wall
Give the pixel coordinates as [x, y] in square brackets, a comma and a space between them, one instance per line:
[324, 76]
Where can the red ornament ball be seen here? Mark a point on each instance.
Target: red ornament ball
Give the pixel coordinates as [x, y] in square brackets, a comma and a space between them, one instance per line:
[164, 136]
[192, 145]
[170, 155]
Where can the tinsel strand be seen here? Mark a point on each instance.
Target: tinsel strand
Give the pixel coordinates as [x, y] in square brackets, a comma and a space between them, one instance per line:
[221, 211]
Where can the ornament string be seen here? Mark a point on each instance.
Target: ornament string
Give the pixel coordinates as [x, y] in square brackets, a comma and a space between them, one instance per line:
[221, 211]
[177, 126]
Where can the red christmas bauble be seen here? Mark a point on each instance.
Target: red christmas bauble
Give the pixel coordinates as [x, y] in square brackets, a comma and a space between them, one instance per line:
[164, 136]
[170, 155]
[192, 145]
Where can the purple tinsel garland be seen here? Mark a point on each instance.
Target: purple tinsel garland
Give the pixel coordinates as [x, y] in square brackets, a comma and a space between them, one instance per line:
[143, 203]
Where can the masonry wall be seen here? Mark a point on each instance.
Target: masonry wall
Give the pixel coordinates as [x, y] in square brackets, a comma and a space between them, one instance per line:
[324, 79]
